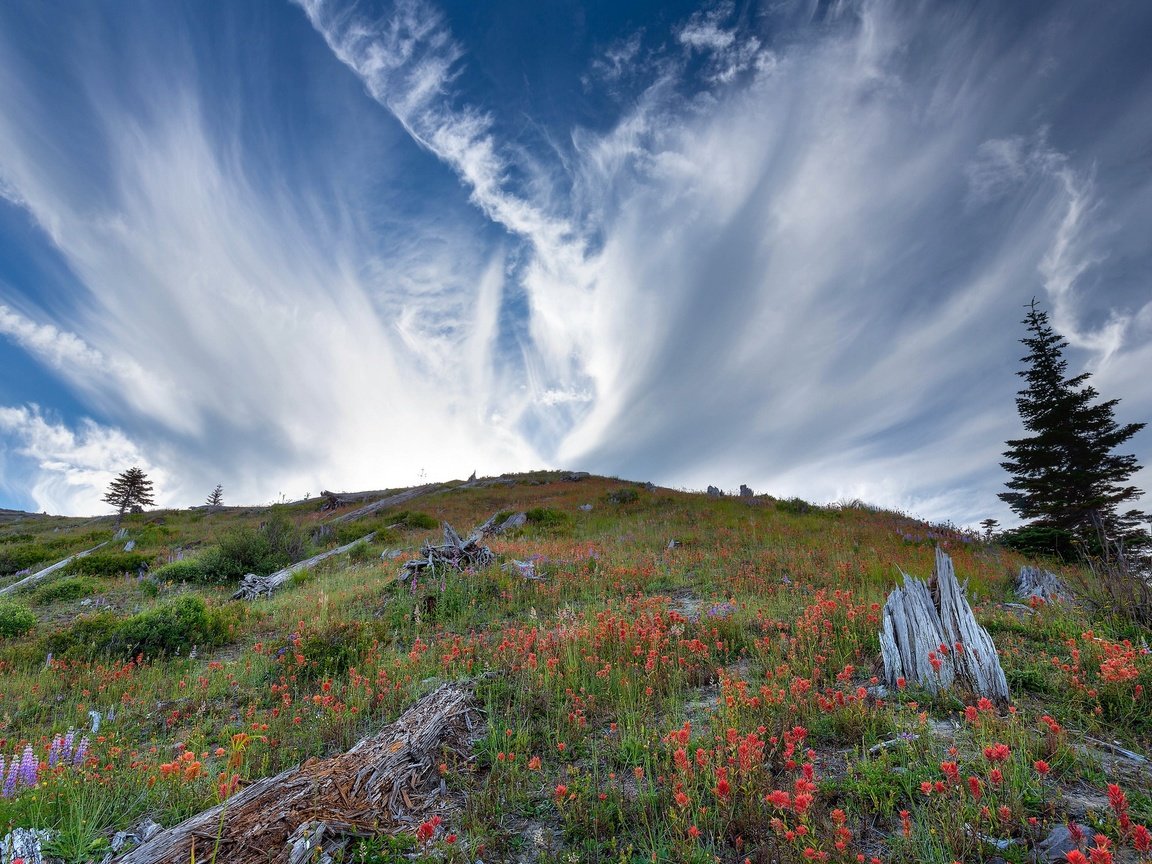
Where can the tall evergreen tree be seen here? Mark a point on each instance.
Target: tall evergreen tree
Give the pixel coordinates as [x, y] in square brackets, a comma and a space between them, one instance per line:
[216, 499]
[129, 491]
[1066, 479]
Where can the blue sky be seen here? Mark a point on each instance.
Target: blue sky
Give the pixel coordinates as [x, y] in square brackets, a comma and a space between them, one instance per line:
[287, 246]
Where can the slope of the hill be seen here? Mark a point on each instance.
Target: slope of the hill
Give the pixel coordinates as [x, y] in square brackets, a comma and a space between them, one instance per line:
[665, 676]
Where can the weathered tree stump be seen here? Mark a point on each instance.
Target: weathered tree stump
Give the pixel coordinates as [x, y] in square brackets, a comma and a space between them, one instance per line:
[1039, 583]
[253, 586]
[383, 783]
[930, 638]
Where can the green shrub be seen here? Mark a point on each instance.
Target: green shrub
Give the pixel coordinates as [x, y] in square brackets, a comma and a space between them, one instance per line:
[16, 619]
[546, 517]
[188, 570]
[108, 564]
[17, 538]
[276, 544]
[795, 506]
[170, 627]
[331, 651]
[23, 556]
[623, 495]
[68, 588]
[414, 519]
[361, 553]
[87, 636]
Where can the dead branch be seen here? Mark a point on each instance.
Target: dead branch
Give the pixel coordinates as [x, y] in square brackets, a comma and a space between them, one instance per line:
[383, 783]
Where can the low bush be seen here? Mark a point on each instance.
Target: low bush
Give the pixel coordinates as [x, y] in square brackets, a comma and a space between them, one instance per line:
[414, 519]
[23, 556]
[108, 564]
[795, 506]
[68, 588]
[188, 570]
[546, 517]
[87, 636]
[623, 495]
[275, 544]
[170, 627]
[16, 619]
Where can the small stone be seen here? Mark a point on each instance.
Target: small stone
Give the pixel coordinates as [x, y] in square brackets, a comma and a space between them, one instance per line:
[586, 507]
[1056, 846]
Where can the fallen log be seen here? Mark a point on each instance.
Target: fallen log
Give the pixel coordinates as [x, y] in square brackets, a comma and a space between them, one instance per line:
[47, 571]
[457, 553]
[253, 586]
[930, 638]
[333, 500]
[383, 783]
[384, 503]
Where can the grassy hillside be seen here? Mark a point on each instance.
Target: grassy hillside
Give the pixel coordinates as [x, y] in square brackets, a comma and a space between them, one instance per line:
[689, 679]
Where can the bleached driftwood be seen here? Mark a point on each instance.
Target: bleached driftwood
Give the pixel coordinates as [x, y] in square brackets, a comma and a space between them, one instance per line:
[1039, 583]
[47, 571]
[456, 553]
[921, 617]
[313, 810]
[253, 586]
[384, 503]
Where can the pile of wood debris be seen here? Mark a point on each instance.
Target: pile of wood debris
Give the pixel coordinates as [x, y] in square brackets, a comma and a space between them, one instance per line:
[310, 813]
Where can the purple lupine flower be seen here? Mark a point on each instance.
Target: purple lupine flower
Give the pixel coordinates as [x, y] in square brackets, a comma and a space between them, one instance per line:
[69, 739]
[81, 751]
[54, 750]
[10, 781]
[29, 766]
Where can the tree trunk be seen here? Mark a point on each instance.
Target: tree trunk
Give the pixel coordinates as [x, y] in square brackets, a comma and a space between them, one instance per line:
[383, 783]
[48, 571]
[933, 622]
[253, 586]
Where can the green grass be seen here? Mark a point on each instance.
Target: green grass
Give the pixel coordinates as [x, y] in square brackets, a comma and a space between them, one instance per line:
[760, 620]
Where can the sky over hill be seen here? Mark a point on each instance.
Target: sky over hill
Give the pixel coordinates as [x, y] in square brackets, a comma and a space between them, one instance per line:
[289, 246]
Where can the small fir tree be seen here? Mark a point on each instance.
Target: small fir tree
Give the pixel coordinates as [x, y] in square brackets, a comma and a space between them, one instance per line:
[130, 491]
[1066, 479]
[216, 499]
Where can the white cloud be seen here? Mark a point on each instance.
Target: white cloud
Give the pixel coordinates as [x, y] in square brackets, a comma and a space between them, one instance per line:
[67, 470]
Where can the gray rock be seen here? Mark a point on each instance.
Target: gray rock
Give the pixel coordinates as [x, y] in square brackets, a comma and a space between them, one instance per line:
[745, 492]
[1055, 847]
[586, 507]
[714, 492]
[24, 843]
[130, 545]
